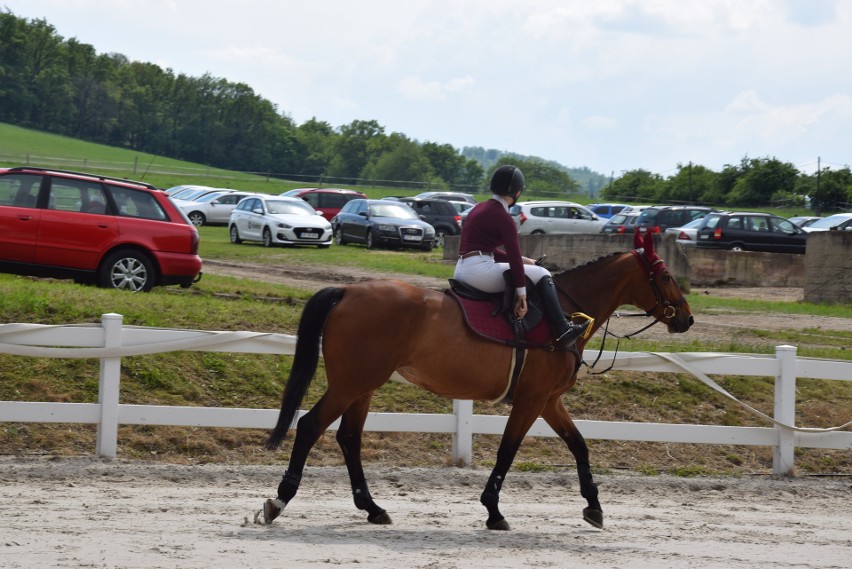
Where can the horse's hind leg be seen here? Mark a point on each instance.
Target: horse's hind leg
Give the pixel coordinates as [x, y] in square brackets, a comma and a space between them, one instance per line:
[556, 415]
[349, 438]
[308, 430]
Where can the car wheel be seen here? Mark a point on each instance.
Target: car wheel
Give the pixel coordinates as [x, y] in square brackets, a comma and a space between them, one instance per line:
[235, 235]
[439, 238]
[338, 236]
[736, 247]
[197, 218]
[127, 269]
[537, 232]
[369, 240]
[267, 237]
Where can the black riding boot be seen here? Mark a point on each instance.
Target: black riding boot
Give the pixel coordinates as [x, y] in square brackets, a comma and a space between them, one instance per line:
[566, 331]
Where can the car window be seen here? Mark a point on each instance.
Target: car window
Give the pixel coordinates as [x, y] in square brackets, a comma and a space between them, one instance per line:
[332, 200]
[136, 203]
[738, 222]
[19, 190]
[392, 210]
[76, 195]
[280, 207]
[780, 225]
[617, 219]
[711, 221]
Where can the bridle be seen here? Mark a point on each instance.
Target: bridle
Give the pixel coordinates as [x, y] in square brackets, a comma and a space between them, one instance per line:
[652, 267]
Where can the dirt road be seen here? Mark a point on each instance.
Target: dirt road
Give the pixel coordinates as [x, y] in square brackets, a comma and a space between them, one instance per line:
[82, 512]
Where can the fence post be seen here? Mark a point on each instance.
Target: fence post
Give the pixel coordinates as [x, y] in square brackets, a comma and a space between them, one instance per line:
[463, 437]
[785, 410]
[108, 388]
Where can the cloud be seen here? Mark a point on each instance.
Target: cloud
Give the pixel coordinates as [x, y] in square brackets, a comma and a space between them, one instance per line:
[417, 90]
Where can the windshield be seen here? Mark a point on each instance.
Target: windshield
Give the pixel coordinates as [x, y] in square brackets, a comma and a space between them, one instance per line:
[393, 210]
[830, 221]
[295, 207]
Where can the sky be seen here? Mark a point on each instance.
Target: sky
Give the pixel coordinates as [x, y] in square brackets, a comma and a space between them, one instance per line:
[611, 85]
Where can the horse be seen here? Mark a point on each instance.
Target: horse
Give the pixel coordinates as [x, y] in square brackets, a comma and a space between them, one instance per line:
[371, 329]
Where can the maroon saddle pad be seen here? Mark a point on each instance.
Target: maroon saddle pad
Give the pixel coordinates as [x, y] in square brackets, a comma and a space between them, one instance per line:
[481, 318]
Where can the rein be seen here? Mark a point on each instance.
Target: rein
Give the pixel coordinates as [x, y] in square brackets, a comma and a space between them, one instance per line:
[652, 267]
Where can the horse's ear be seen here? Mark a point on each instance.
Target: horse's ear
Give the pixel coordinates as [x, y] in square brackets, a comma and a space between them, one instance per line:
[649, 243]
[637, 238]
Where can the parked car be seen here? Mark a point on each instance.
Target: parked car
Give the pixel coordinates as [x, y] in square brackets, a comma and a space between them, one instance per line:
[195, 193]
[838, 221]
[804, 220]
[213, 208]
[607, 210]
[688, 234]
[657, 219]
[442, 215]
[449, 196]
[749, 231]
[278, 220]
[113, 232]
[537, 217]
[621, 223]
[327, 201]
[382, 223]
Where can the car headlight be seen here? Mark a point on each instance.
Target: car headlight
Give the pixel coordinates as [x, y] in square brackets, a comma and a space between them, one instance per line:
[282, 225]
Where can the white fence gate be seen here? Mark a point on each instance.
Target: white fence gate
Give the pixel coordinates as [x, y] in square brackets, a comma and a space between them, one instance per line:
[110, 341]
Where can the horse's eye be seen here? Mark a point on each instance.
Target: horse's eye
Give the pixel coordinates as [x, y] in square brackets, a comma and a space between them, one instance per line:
[667, 278]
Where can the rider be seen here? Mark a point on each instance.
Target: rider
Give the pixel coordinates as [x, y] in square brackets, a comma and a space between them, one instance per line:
[489, 246]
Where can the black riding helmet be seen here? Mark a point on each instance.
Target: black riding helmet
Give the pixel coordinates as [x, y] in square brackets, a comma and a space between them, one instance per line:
[508, 181]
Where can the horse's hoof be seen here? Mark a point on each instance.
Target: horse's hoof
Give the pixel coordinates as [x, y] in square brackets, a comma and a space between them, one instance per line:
[382, 518]
[272, 508]
[501, 525]
[594, 517]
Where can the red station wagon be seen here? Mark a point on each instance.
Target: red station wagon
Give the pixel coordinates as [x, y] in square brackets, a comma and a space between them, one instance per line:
[114, 232]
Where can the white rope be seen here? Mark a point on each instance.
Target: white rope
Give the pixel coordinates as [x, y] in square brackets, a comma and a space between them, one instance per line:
[718, 388]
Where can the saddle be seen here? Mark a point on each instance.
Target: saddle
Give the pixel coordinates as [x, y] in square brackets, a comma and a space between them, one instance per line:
[491, 315]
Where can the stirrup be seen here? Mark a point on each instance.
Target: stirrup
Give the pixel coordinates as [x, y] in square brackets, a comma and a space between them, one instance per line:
[571, 333]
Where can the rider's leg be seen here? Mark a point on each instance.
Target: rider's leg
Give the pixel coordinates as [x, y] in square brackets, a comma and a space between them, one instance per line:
[566, 331]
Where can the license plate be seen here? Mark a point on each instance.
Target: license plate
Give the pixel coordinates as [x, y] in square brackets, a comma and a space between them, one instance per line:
[309, 235]
[703, 236]
[411, 238]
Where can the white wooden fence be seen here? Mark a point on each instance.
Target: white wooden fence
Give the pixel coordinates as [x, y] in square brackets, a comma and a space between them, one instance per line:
[111, 340]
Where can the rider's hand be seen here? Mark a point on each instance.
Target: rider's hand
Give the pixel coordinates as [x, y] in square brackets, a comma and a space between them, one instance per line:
[520, 307]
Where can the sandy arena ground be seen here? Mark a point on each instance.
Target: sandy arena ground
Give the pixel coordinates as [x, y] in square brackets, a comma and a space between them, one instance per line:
[85, 512]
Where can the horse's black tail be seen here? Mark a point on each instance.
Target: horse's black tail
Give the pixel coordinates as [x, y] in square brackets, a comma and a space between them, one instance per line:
[305, 361]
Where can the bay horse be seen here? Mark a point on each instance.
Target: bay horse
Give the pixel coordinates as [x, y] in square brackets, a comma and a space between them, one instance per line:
[370, 330]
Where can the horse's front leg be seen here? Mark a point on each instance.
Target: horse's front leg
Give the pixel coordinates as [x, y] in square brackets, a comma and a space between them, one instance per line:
[520, 420]
[349, 437]
[560, 421]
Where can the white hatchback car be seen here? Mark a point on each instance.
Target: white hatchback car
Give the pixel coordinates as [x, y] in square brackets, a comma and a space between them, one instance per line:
[537, 217]
[278, 220]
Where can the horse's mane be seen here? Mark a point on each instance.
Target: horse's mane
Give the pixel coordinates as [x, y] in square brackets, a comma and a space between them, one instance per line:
[589, 263]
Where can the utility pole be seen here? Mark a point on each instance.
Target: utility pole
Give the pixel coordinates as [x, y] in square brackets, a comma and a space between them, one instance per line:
[816, 204]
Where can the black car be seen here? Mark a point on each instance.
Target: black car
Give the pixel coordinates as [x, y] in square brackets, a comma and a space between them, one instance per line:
[748, 231]
[385, 223]
[621, 223]
[440, 214]
[659, 218]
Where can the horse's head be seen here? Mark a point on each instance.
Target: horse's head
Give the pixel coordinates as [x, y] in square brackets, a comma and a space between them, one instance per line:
[663, 299]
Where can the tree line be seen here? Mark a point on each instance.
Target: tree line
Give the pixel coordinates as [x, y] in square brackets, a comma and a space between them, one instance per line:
[64, 86]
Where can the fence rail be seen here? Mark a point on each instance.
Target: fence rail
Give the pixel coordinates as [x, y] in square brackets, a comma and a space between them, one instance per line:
[110, 341]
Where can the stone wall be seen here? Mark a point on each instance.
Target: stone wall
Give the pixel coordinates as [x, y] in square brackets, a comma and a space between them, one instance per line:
[824, 271]
[828, 267]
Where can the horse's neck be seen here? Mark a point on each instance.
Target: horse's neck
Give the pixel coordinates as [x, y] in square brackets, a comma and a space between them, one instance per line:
[598, 288]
